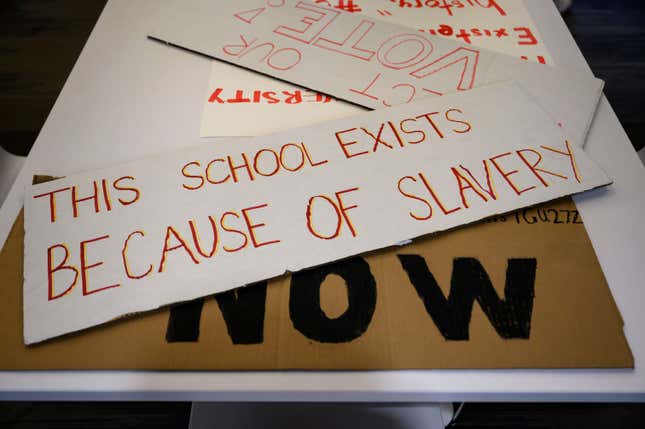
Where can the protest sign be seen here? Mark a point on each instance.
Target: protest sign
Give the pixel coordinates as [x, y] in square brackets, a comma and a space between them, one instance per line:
[179, 226]
[503, 26]
[368, 62]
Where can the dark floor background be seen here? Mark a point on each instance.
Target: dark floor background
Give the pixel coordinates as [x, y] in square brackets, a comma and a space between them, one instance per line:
[39, 43]
[611, 35]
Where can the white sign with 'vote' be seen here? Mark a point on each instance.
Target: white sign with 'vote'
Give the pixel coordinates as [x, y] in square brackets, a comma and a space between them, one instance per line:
[107, 243]
[369, 62]
[503, 26]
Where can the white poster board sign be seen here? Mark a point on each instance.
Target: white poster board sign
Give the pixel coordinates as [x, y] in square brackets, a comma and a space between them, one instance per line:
[233, 93]
[365, 61]
[111, 242]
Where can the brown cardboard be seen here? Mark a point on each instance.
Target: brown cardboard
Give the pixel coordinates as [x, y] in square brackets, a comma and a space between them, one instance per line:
[575, 322]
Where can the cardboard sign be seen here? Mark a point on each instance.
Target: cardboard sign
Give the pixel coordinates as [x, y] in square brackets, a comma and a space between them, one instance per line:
[131, 238]
[234, 93]
[367, 62]
[569, 318]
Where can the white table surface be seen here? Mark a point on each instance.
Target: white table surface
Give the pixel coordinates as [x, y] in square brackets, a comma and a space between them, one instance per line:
[128, 97]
